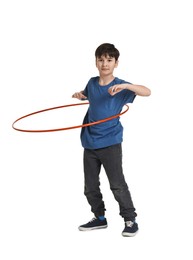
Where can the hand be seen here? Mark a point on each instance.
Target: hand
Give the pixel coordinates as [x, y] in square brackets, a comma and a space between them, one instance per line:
[116, 89]
[79, 95]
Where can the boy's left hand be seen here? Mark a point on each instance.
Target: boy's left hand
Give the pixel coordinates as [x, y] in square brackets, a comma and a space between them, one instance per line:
[116, 89]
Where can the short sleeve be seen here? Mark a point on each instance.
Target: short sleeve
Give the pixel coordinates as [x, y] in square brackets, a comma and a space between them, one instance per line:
[129, 96]
[85, 91]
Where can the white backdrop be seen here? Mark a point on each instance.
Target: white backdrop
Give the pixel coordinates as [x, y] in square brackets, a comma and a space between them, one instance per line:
[47, 53]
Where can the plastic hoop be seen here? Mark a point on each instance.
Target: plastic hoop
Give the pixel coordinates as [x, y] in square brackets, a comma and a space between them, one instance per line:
[65, 128]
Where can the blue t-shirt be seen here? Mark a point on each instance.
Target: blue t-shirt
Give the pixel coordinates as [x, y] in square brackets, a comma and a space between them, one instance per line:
[103, 105]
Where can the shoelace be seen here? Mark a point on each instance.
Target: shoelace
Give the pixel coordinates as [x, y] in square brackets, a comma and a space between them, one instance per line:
[129, 223]
[92, 220]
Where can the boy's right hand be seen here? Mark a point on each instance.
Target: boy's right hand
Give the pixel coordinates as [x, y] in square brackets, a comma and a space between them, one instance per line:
[79, 95]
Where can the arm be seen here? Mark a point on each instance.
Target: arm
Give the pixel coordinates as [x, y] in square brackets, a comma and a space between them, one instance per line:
[137, 89]
[79, 95]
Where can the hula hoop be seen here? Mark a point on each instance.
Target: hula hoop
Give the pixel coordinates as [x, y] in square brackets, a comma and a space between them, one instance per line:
[65, 128]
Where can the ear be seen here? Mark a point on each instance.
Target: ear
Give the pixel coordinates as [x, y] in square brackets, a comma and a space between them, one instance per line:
[116, 64]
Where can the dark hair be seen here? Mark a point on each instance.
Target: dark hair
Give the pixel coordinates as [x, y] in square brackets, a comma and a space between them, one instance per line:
[107, 49]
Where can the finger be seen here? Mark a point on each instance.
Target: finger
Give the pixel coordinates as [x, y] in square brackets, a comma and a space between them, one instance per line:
[111, 89]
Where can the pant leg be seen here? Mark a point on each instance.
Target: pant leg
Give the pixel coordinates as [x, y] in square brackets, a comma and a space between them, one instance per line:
[92, 167]
[111, 158]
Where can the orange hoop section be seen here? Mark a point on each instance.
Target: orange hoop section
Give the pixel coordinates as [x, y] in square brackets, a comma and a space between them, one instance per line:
[65, 128]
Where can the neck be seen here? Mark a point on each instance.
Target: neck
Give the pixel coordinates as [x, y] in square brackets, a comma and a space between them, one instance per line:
[105, 80]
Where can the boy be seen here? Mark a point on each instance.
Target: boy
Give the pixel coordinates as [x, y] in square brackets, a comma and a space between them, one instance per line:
[102, 142]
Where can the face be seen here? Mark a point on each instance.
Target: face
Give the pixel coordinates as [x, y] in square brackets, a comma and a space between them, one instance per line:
[106, 65]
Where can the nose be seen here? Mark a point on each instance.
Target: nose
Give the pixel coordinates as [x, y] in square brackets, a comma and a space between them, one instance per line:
[104, 63]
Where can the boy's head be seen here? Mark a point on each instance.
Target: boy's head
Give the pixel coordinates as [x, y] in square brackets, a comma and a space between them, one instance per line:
[107, 50]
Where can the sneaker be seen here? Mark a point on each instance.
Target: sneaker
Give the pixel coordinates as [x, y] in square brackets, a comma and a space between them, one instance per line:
[95, 223]
[131, 229]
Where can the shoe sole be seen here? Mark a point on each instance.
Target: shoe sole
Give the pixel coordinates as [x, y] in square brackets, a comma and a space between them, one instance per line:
[126, 234]
[91, 228]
